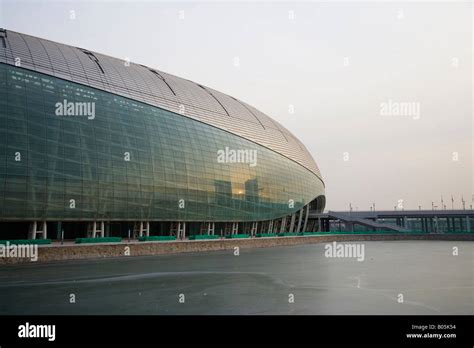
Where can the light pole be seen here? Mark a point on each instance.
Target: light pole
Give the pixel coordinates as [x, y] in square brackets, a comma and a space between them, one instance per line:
[350, 214]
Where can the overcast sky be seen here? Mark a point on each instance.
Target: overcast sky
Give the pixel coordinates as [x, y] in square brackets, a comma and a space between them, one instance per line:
[345, 68]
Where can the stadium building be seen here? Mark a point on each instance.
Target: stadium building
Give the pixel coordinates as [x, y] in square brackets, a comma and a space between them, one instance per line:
[95, 145]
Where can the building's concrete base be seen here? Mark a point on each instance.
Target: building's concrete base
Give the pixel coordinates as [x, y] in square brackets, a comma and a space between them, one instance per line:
[57, 252]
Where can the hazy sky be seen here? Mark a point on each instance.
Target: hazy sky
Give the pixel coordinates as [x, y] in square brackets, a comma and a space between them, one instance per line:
[344, 67]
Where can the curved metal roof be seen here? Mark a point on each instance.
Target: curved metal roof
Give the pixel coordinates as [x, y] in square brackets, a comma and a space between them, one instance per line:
[153, 87]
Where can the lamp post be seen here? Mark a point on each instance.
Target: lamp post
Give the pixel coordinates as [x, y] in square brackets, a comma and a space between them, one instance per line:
[350, 214]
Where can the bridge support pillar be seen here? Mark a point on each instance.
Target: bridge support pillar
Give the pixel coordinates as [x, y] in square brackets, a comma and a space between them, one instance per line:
[211, 226]
[235, 228]
[178, 229]
[300, 218]
[254, 228]
[283, 224]
[38, 228]
[95, 228]
[141, 228]
[182, 230]
[292, 223]
[207, 228]
[270, 226]
[306, 218]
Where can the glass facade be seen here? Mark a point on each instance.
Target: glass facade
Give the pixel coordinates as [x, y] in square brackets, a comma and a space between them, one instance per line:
[130, 161]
